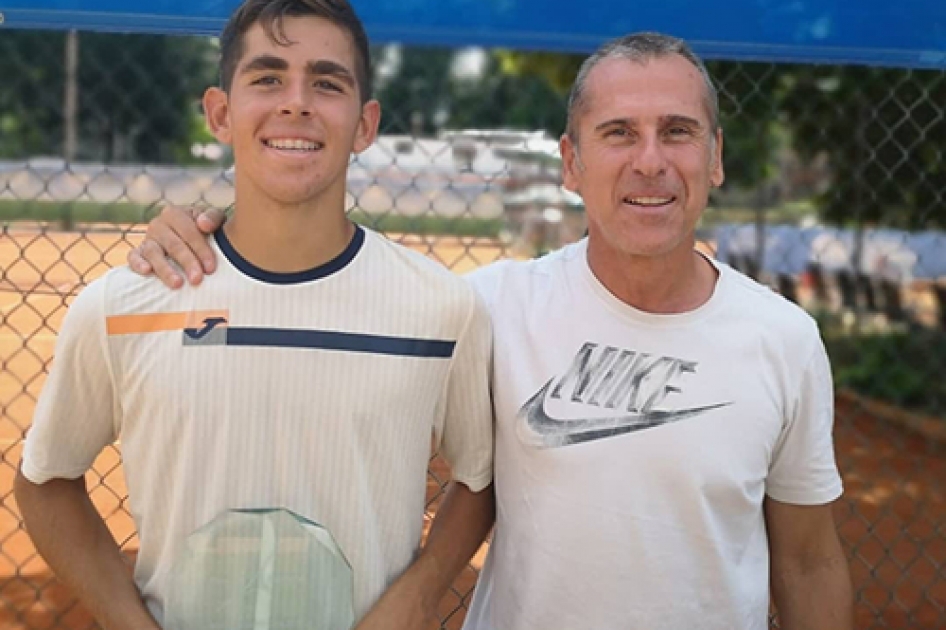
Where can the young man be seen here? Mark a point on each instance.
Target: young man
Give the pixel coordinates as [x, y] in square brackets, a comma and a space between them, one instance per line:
[663, 424]
[308, 374]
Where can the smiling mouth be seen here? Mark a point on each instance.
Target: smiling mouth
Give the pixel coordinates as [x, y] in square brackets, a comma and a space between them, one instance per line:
[294, 144]
[648, 202]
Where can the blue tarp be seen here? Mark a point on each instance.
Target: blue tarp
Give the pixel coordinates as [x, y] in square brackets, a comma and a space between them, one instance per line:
[906, 33]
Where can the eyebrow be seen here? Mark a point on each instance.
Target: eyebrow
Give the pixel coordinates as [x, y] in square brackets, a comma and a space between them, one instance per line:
[677, 119]
[321, 67]
[326, 67]
[673, 119]
[264, 62]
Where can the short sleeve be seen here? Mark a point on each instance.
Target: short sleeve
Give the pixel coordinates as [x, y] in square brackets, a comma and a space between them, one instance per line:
[803, 469]
[75, 414]
[487, 281]
[467, 438]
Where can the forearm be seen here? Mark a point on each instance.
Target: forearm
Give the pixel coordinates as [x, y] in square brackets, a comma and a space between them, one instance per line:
[462, 523]
[73, 539]
[816, 597]
[459, 528]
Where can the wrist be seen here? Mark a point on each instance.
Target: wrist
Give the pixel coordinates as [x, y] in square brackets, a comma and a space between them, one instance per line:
[429, 580]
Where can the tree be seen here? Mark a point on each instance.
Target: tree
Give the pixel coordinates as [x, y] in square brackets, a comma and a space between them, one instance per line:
[884, 132]
[423, 95]
[556, 70]
[31, 102]
[412, 100]
[750, 118]
[508, 97]
[137, 94]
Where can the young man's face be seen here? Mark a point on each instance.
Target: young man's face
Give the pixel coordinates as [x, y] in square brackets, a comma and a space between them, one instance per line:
[645, 157]
[293, 114]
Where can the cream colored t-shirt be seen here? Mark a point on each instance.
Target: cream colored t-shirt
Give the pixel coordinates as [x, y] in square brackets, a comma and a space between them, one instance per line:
[317, 392]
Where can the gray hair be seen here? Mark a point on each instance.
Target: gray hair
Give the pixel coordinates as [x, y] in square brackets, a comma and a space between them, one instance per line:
[639, 47]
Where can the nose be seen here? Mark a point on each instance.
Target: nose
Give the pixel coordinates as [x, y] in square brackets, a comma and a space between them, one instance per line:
[648, 159]
[297, 100]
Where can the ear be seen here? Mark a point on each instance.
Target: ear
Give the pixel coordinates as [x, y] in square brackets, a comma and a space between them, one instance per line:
[717, 176]
[367, 129]
[217, 114]
[571, 163]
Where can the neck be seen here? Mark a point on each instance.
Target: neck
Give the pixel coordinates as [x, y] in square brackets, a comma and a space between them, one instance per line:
[286, 239]
[679, 282]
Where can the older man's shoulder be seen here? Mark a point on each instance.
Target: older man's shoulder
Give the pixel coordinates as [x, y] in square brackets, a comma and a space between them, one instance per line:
[514, 274]
[768, 307]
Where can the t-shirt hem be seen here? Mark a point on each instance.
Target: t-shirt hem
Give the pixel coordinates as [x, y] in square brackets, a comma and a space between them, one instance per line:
[806, 498]
[37, 476]
[475, 483]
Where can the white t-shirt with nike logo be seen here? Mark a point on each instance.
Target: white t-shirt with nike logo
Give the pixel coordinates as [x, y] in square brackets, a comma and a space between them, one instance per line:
[634, 451]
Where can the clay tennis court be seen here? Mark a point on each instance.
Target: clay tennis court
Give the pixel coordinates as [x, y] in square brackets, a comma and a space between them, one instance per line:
[892, 520]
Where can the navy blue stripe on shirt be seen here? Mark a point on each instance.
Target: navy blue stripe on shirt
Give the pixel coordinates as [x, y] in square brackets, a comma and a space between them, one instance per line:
[331, 340]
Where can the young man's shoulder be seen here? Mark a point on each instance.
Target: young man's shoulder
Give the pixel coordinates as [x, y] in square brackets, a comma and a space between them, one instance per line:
[401, 262]
[410, 281]
[120, 291]
[123, 283]
[117, 280]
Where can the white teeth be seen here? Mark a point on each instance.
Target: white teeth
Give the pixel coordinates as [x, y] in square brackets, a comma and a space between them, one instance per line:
[649, 201]
[294, 144]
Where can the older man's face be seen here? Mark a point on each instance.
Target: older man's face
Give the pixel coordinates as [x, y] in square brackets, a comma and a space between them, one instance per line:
[645, 157]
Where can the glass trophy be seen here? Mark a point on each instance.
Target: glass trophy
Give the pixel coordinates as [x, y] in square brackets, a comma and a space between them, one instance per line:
[260, 570]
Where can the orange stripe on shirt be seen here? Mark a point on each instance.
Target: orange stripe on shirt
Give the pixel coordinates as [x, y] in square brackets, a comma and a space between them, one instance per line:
[157, 322]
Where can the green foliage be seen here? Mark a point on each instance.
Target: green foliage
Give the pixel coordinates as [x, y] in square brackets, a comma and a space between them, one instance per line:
[412, 99]
[749, 115]
[31, 63]
[556, 70]
[423, 96]
[137, 94]
[513, 101]
[883, 131]
[197, 133]
[901, 368]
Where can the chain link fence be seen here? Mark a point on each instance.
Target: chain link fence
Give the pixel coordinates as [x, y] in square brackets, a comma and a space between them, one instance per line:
[835, 191]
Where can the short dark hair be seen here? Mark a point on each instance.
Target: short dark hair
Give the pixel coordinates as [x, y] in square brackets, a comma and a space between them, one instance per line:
[640, 47]
[270, 14]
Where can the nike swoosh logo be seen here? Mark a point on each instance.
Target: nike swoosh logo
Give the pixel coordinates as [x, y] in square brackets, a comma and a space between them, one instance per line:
[209, 324]
[550, 432]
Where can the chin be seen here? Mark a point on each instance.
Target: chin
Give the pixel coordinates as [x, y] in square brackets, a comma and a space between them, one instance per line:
[634, 243]
[295, 194]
